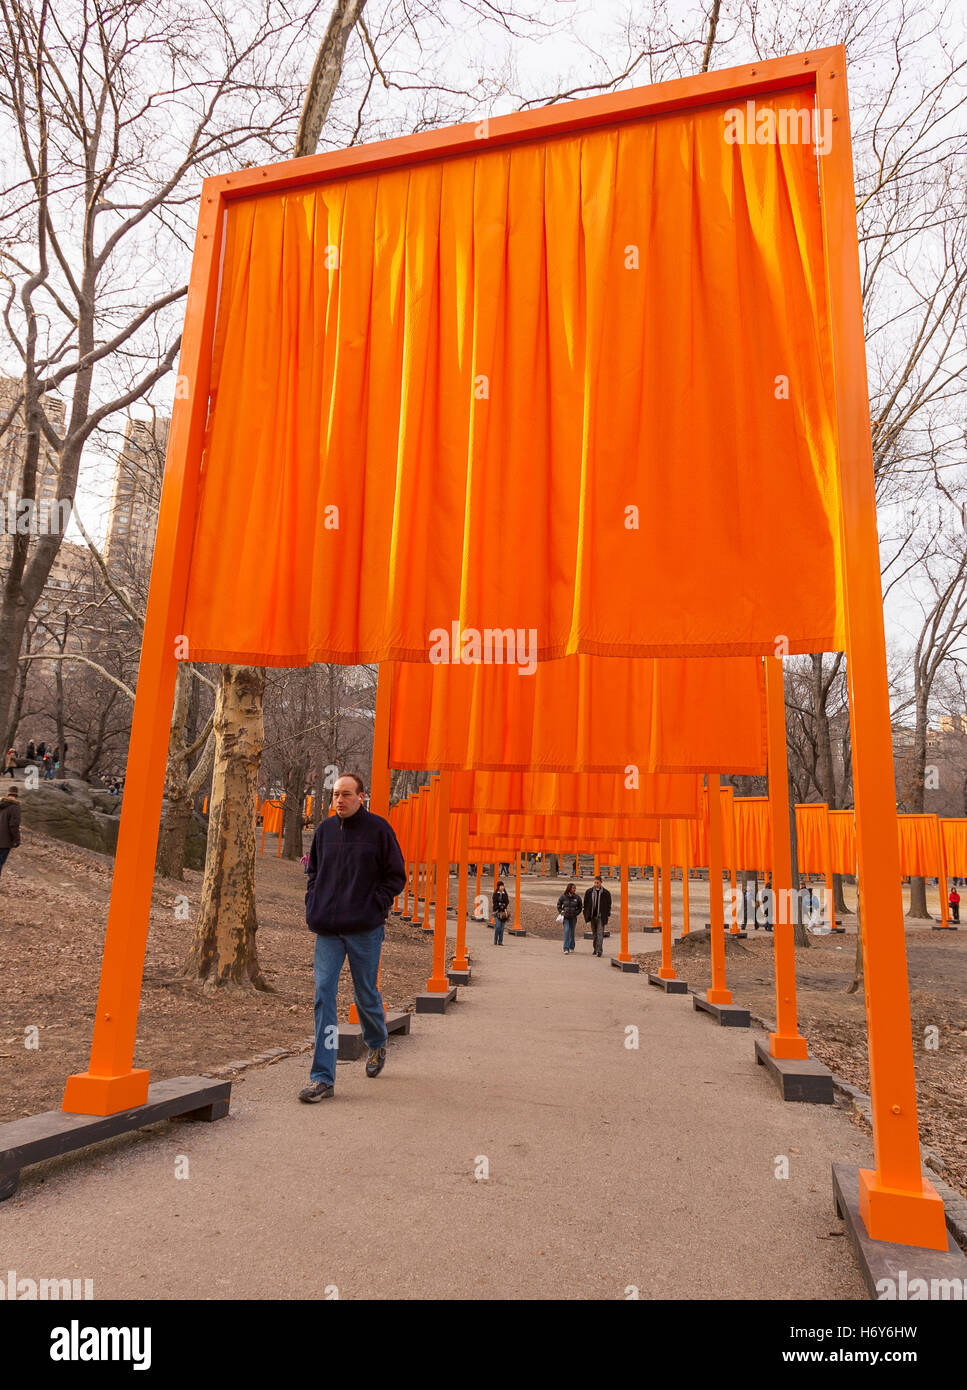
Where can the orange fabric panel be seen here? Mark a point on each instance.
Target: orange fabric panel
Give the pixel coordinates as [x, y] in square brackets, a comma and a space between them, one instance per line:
[581, 714]
[272, 817]
[919, 846]
[842, 833]
[576, 335]
[954, 832]
[586, 793]
[811, 837]
[753, 834]
[575, 829]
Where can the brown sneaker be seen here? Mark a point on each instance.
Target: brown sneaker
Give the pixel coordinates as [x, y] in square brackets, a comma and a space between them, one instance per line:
[317, 1091]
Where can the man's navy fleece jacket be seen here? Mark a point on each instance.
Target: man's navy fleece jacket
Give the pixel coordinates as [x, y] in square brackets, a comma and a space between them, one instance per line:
[356, 870]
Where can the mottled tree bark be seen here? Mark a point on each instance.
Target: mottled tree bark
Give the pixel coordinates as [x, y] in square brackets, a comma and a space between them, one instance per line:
[223, 951]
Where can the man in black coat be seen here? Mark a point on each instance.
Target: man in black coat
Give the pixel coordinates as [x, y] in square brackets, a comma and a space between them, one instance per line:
[355, 871]
[9, 824]
[597, 910]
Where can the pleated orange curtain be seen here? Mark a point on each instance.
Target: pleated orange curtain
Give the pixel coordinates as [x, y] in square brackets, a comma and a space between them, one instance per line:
[842, 834]
[574, 336]
[919, 846]
[586, 794]
[954, 833]
[753, 834]
[581, 713]
[574, 829]
[811, 837]
[272, 816]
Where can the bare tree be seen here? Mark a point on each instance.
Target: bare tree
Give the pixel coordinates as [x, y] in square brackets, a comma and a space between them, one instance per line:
[111, 114]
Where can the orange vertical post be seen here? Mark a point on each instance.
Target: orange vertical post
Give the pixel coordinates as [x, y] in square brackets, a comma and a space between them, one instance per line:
[941, 861]
[786, 1041]
[476, 898]
[828, 872]
[517, 927]
[460, 961]
[111, 1082]
[624, 952]
[896, 1202]
[734, 910]
[667, 970]
[438, 982]
[655, 918]
[717, 992]
[685, 917]
[428, 880]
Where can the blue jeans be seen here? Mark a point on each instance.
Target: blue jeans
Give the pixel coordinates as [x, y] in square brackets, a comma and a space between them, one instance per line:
[363, 950]
[569, 933]
[498, 931]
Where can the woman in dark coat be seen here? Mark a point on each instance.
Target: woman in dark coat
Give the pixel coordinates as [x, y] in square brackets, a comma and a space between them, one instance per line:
[569, 907]
[501, 905]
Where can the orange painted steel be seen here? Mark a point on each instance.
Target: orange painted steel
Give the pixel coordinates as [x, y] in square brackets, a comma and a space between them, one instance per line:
[717, 993]
[655, 915]
[460, 961]
[438, 982]
[517, 865]
[624, 953]
[685, 873]
[786, 1041]
[667, 970]
[896, 1202]
[111, 1083]
[476, 899]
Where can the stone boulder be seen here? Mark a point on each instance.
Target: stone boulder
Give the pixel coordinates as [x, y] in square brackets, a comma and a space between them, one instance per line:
[65, 810]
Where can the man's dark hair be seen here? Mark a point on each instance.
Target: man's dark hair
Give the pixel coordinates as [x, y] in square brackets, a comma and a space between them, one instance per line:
[360, 788]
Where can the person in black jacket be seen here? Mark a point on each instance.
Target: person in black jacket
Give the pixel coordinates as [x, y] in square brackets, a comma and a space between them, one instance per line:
[501, 906]
[569, 907]
[597, 910]
[9, 824]
[355, 871]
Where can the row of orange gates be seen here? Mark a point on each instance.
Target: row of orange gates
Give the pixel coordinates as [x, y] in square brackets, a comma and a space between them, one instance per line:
[931, 846]
[485, 348]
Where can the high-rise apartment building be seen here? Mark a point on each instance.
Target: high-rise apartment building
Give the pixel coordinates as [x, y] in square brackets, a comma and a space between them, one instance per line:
[135, 497]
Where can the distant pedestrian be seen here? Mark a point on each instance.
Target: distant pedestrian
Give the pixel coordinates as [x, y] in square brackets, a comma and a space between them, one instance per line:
[953, 902]
[31, 751]
[504, 869]
[9, 824]
[48, 773]
[41, 750]
[501, 906]
[597, 910]
[10, 763]
[569, 909]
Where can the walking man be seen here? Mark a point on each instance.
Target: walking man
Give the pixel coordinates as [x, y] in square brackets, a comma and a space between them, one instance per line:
[9, 823]
[355, 871]
[597, 910]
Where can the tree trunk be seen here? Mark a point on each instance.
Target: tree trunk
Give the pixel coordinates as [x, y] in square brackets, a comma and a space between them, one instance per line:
[858, 965]
[18, 697]
[223, 950]
[800, 935]
[61, 772]
[293, 811]
[918, 886]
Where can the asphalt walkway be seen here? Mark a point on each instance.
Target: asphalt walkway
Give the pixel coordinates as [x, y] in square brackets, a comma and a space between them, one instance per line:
[514, 1148]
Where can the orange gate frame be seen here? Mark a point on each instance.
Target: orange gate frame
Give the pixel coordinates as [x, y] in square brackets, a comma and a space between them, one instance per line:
[896, 1202]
